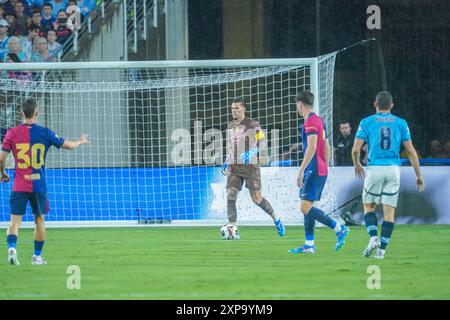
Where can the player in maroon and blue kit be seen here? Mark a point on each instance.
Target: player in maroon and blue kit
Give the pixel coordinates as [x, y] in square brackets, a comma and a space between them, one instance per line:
[313, 174]
[29, 143]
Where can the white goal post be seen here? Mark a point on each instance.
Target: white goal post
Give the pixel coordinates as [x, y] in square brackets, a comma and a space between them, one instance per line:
[158, 132]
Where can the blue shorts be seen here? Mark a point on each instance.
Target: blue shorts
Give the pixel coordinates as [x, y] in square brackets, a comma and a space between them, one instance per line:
[312, 187]
[38, 202]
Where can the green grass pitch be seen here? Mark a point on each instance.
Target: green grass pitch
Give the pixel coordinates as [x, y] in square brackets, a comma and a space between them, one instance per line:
[194, 263]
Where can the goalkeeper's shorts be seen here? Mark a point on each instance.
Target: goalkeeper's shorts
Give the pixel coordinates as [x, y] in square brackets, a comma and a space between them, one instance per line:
[382, 184]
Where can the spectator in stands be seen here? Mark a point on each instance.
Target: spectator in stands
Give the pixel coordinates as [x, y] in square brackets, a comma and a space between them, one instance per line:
[36, 18]
[34, 3]
[54, 47]
[28, 42]
[58, 5]
[74, 19]
[13, 29]
[42, 54]
[21, 18]
[11, 57]
[4, 39]
[2, 12]
[48, 19]
[62, 32]
[10, 6]
[447, 149]
[18, 75]
[436, 150]
[14, 47]
[344, 144]
[87, 6]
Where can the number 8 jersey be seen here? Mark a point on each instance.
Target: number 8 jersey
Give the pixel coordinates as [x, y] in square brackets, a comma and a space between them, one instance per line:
[30, 144]
[384, 133]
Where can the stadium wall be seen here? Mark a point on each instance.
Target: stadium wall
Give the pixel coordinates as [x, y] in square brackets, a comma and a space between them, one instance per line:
[198, 194]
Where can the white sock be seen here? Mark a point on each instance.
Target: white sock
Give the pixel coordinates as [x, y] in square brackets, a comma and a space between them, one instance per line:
[374, 238]
[309, 242]
[337, 228]
[274, 217]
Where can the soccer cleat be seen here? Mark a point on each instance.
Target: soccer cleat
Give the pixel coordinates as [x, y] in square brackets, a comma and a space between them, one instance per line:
[379, 254]
[341, 235]
[37, 260]
[304, 249]
[12, 257]
[373, 244]
[280, 228]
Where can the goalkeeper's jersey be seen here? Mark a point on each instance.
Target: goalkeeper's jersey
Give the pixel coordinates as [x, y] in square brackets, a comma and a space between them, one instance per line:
[29, 144]
[243, 136]
[384, 133]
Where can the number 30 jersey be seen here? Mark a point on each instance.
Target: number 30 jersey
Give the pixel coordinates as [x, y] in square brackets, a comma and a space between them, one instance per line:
[384, 134]
[30, 144]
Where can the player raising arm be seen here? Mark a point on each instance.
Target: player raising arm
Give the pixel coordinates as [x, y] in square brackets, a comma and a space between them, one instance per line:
[313, 174]
[384, 133]
[29, 143]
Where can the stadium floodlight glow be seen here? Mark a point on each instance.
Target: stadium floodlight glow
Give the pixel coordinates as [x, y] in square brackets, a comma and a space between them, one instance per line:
[132, 111]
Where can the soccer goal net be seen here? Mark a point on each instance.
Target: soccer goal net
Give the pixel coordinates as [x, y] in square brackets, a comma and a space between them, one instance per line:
[157, 135]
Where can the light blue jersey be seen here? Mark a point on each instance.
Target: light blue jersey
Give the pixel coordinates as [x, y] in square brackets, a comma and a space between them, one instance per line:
[384, 134]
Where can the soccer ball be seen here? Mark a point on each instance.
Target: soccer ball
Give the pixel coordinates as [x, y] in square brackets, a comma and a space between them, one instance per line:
[229, 232]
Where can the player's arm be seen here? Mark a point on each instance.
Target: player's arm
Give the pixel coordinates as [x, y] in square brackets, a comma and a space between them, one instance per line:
[309, 154]
[414, 159]
[3, 157]
[73, 144]
[259, 136]
[356, 152]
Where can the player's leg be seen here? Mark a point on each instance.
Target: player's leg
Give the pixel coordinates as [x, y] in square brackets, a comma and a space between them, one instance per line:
[373, 183]
[265, 205]
[389, 199]
[39, 204]
[234, 185]
[313, 186]
[253, 184]
[12, 234]
[18, 203]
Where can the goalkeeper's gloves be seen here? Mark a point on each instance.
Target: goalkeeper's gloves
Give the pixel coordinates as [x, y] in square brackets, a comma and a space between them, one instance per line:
[247, 156]
[226, 166]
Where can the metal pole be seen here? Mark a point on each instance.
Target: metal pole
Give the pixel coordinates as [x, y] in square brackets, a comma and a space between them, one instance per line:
[125, 31]
[135, 26]
[75, 41]
[145, 19]
[155, 14]
[103, 9]
[89, 25]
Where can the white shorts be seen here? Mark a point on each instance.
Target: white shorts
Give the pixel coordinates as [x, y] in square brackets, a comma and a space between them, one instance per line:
[382, 184]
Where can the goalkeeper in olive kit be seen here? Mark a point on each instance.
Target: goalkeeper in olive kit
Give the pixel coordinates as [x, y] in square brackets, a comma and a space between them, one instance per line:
[242, 165]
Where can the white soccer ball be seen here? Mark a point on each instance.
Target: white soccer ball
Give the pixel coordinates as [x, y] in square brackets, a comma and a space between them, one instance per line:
[229, 232]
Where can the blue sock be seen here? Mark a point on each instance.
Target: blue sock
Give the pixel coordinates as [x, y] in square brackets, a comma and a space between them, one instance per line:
[11, 239]
[309, 224]
[386, 233]
[320, 216]
[371, 221]
[38, 245]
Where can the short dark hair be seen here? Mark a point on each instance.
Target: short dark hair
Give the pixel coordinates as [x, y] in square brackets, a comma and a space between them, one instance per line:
[384, 100]
[14, 57]
[29, 108]
[33, 27]
[241, 101]
[48, 4]
[344, 122]
[305, 97]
